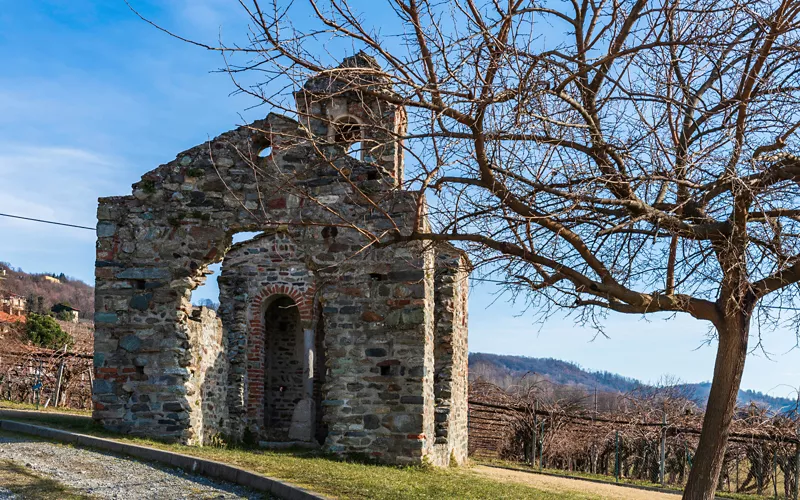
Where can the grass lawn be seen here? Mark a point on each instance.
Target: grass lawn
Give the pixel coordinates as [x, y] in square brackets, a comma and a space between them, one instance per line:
[11, 405]
[22, 482]
[338, 478]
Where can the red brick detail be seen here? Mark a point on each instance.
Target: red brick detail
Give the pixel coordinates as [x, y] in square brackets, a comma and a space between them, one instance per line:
[255, 341]
[277, 203]
[305, 302]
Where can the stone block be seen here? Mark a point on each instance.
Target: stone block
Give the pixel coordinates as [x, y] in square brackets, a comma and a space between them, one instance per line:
[141, 302]
[102, 386]
[105, 317]
[371, 422]
[144, 273]
[130, 343]
[302, 426]
[106, 229]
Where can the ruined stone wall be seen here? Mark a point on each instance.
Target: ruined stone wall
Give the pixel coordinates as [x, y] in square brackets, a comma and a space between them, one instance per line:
[451, 355]
[253, 274]
[378, 325]
[459, 412]
[385, 388]
[429, 423]
[154, 248]
[375, 331]
[207, 387]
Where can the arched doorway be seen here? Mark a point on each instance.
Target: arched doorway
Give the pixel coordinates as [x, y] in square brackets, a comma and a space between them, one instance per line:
[283, 376]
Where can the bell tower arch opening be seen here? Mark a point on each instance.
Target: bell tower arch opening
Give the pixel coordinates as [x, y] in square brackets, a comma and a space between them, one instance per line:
[348, 132]
[333, 105]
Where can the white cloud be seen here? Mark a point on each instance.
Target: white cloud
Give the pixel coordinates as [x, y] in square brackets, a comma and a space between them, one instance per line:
[54, 183]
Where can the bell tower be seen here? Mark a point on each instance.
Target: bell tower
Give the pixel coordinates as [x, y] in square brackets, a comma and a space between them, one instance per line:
[346, 107]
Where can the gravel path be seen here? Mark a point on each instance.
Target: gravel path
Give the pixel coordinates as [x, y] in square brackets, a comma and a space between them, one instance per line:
[563, 485]
[105, 475]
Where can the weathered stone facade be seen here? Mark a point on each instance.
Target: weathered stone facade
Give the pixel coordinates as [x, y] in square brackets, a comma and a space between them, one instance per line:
[322, 335]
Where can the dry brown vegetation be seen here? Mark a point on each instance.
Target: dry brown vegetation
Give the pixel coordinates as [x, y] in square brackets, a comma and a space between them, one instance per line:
[23, 366]
[532, 424]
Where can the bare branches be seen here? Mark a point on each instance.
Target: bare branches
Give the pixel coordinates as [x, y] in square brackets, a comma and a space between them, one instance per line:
[643, 161]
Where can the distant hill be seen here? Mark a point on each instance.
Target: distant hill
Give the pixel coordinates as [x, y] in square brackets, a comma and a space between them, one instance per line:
[54, 288]
[505, 370]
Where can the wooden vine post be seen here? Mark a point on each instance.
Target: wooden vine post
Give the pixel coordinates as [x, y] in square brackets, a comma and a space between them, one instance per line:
[60, 378]
[797, 471]
[616, 456]
[663, 447]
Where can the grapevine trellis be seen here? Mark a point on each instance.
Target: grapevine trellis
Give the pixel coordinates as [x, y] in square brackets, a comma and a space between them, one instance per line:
[634, 440]
[46, 377]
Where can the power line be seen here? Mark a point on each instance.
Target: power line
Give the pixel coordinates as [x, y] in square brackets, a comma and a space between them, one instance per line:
[47, 221]
[485, 280]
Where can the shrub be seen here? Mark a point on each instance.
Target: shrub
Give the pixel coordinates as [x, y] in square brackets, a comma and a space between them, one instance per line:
[44, 331]
[64, 315]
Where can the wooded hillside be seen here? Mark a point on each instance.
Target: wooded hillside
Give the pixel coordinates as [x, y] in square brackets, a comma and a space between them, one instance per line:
[68, 290]
[506, 371]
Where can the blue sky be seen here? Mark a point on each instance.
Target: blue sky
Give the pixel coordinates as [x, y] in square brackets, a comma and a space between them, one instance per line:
[91, 97]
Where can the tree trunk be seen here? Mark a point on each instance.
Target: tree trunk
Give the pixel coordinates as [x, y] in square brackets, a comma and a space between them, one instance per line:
[728, 368]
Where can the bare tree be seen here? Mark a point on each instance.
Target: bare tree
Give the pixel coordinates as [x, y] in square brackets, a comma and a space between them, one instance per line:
[630, 156]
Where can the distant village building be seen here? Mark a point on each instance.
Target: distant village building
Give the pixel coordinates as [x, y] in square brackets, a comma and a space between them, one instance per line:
[66, 312]
[52, 279]
[12, 304]
[12, 311]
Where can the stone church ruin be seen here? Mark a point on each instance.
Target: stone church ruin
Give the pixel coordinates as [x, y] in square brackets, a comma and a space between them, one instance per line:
[323, 335]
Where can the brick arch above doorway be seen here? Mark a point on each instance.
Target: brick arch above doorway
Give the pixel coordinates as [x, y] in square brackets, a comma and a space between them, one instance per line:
[255, 340]
[304, 301]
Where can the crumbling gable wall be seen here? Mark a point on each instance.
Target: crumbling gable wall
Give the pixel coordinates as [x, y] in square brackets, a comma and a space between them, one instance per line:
[160, 363]
[154, 248]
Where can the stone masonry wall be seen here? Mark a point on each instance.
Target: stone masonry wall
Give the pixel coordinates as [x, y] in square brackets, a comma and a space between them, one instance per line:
[375, 332]
[207, 389]
[315, 206]
[154, 248]
[452, 355]
[253, 274]
[378, 334]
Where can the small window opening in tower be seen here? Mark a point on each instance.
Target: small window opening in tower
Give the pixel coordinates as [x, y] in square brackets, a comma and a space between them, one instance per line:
[265, 152]
[348, 133]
